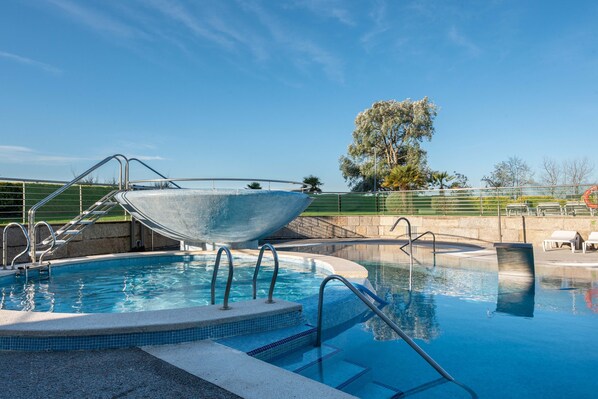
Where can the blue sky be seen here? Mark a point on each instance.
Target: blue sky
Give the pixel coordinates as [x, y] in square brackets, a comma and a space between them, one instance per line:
[270, 89]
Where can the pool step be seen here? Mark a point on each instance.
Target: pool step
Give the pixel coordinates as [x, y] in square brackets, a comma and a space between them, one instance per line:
[300, 360]
[374, 390]
[334, 372]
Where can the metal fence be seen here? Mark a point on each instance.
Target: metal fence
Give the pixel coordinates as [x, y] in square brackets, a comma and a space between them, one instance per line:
[541, 201]
[18, 196]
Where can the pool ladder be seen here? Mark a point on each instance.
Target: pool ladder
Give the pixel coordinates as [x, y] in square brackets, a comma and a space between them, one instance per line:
[410, 243]
[229, 279]
[49, 243]
[446, 377]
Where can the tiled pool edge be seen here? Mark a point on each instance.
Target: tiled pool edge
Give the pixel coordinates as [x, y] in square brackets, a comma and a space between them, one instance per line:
[31, 331]
[122, 340]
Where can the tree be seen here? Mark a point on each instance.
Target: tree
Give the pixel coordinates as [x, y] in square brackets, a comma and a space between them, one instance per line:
[313, 182]
[405, 177]
[387, 135]
[551, 172]
[577, 171]
[440, 179]
[254, 186]
[460, 181]
[513, 172]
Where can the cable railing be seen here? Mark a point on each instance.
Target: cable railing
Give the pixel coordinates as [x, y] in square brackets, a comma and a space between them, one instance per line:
[508, 201]
[17, 196]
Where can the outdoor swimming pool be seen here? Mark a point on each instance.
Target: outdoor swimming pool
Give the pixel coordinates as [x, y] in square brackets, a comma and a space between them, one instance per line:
[152, 283]
[501, 337]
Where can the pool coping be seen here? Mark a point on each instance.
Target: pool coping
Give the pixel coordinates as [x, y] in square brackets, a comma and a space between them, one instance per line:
[14, 323]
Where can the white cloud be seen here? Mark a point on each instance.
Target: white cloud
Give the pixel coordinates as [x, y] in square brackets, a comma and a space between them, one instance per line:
[462, 41]
[28, 61]
[96, 20]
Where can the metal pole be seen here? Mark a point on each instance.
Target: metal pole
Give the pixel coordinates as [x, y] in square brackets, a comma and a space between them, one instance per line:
[24, 205]
[499, 217]
[379, 313]
[524, 233]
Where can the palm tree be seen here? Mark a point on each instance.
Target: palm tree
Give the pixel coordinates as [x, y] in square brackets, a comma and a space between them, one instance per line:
[441, 179]
[312, 184]
[254, 186]
[404, 177]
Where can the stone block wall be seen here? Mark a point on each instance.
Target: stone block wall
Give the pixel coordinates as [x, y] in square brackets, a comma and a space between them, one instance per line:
[101, 238]
[482, 230]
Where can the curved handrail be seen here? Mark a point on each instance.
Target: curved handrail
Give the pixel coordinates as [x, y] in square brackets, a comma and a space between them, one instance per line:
[147, 166]
[379, 313]
[52, 237]
[257, 269]
[228, 281]
[34, 208]
[181, 179]
[5, 244]
[420, 236]
[410, 246]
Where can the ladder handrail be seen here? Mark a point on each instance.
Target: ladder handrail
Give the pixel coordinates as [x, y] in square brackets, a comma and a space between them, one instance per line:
[228, 281]
[5, 244]
[257, 269]
[384, 318]
[34, 208]
[410, 246]
[52, 237]
[420, 236]
[127, 167]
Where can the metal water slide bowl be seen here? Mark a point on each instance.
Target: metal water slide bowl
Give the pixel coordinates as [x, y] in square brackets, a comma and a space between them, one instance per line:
[218, 215]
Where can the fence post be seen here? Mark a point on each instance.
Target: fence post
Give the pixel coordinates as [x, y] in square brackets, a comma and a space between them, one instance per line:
[481, 204]
[499, 217]
[24, 204]
[80, 199]
[339, 203]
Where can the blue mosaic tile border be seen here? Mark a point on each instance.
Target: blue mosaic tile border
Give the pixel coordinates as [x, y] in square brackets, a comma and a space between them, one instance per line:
[284, 345]
[223, 330]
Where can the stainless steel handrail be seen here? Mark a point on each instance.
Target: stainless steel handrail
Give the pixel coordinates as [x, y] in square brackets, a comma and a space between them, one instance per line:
[378, 313]
[410, 246]
[420, 236]
[147, 166]
[34, 208]
[214, 179]
[228, 281]
[257, 269]
[52, 238]
[5, 244]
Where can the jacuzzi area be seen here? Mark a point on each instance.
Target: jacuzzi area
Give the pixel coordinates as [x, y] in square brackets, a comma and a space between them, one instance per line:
[156, 299]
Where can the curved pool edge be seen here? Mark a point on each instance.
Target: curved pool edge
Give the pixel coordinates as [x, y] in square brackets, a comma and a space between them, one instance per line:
[34, 331]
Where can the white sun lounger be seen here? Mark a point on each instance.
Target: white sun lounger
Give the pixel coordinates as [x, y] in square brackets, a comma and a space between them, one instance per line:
[592, 240]
[562, 237]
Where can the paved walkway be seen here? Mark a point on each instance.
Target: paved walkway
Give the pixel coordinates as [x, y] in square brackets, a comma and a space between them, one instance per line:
[101, 374]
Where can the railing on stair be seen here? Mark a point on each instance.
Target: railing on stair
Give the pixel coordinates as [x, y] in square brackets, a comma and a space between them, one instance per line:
[78, 224]
[88, 217]
[229, 280]
[5, 244]
[257, 269]
[389, 322]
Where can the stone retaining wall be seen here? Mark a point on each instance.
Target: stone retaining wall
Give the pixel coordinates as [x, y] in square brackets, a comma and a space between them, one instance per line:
[482, 230]
[101, 238]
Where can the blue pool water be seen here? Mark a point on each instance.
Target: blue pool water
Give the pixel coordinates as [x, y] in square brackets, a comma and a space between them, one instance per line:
[151, 283]
[503, 338]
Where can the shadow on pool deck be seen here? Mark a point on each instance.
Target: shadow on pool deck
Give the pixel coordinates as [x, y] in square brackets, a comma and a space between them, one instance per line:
[119, 373]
